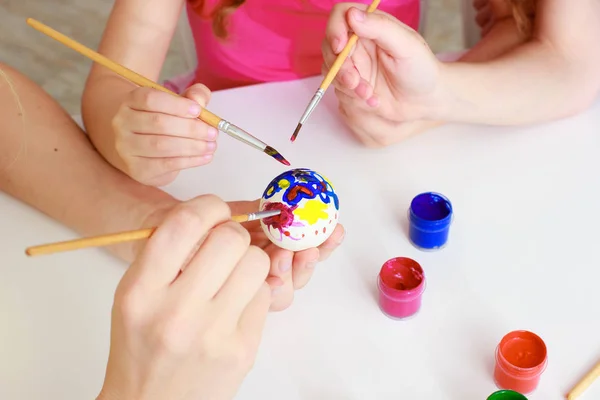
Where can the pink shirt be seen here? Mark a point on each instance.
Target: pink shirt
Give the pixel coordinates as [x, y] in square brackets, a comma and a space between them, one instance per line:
[271, 40]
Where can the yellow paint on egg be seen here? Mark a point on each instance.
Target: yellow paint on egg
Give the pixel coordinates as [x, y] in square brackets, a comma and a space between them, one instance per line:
[312, 211]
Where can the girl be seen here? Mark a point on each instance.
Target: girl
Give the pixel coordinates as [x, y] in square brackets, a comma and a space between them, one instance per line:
[152, 136]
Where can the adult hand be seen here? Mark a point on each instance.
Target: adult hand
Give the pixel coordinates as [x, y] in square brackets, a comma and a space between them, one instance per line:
[290, 271]
[158, 134]
[188, 314]
[391, 77]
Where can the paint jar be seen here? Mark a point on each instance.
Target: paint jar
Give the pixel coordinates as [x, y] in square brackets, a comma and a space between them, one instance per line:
[506, 395]
[521, 358]
[401, 284]
[430, 215]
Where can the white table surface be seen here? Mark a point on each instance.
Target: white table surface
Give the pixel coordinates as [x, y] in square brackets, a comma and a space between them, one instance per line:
[523, 254]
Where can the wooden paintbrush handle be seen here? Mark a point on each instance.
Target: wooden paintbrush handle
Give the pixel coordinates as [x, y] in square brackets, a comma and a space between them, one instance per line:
[585, 382]
[335, 68]
[205, 115]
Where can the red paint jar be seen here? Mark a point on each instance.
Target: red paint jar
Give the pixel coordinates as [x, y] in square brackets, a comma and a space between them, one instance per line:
[521, 358]
[401, 284]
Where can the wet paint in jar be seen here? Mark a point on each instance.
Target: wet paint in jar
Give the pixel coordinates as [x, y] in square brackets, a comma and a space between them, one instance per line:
[521, 358]
[429, 216]
[401, 284]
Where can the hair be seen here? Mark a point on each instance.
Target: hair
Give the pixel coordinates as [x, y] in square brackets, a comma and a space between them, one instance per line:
[218, 15]
[523, 12]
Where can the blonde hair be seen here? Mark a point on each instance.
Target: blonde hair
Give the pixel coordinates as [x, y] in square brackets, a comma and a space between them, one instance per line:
[523, 12]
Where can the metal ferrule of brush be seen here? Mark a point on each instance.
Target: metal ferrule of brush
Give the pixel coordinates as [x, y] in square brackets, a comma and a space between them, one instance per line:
[312, 105]
[240, 135]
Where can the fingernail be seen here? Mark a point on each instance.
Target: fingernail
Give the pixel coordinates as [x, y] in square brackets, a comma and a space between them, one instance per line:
[336, 45]
[212, 133]
[285, 265]
[359, 15]
[194, 110]
[211, 146]
[275, 290]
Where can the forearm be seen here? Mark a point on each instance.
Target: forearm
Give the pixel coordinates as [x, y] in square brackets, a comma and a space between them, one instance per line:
[502, 38]
[48, 162]
[104, 92]
[528, 85]
[554, 75]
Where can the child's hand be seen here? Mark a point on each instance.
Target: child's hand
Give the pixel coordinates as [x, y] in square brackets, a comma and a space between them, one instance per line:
[189, 313]
[289, 270]
[392, 77]
[158, 134]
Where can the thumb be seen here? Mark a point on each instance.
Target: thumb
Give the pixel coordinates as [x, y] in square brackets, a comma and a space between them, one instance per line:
[199, 93]
[389, 34]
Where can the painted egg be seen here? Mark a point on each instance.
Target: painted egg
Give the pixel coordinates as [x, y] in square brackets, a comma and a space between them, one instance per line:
[309, 209]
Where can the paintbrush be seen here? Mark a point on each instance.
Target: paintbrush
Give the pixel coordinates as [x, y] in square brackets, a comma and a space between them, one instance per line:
[584, 383]
[335, 68]
[121, 237]
[205, 115]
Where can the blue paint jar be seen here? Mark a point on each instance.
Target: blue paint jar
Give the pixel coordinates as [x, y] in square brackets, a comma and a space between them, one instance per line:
[429, 216]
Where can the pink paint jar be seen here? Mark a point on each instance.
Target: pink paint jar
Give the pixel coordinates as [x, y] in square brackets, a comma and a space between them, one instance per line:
[401, 284]
[521, 358]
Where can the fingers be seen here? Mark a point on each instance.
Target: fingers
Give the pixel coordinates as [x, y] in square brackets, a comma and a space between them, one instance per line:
[163, 124]
[305, 262]
[242, 285]
[281, 268]
[152, 171]
[332, 242]
[252, 321]
[160, 146]
[198, 93]
[393, 37]
[210, 267]
[169, 248]
[153, 100]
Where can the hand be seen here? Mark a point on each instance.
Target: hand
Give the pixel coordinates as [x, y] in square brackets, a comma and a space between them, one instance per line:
[289, 271]
[158, 134]
[391, 77]
[188, 314]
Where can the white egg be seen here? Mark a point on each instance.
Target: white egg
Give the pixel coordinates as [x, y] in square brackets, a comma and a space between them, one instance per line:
[309, 209]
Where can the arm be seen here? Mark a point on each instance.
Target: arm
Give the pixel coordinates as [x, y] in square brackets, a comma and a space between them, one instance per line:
[555, 74]
[48, 162]
[137, 35]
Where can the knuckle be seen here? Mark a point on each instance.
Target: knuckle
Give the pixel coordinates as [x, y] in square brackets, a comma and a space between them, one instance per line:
[157, 120]
[213, 204]
[157, 143]
[233, 234]
[130, 303]
[147, 96]
[185, 216]
[261, 261]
